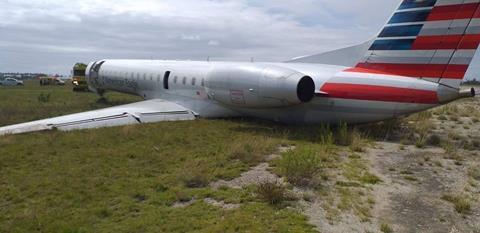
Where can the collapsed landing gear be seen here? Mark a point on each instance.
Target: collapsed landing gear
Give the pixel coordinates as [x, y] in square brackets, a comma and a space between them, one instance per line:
[102, 99]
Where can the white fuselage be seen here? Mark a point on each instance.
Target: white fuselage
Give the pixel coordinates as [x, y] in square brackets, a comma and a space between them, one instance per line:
[264, 90]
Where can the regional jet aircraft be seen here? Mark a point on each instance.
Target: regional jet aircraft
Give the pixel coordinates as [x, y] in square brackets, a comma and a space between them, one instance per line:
[417, 62]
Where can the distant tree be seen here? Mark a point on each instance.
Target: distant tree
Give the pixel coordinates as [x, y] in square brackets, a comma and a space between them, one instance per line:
[472, 82]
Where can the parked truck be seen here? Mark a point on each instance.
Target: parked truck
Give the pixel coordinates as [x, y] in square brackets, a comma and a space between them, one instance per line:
[79, 81]
[46, 81]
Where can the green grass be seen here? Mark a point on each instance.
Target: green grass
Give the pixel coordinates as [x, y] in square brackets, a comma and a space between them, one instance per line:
[303, 166]
[34, 102]
[356, 169]
[127, 179]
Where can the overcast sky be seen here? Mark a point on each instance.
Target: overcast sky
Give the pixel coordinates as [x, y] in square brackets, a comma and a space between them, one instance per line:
[51, 35]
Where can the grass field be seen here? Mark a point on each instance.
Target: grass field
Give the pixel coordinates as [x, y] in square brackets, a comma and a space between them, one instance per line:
[33, 102]
[163, 177]
[129, 179]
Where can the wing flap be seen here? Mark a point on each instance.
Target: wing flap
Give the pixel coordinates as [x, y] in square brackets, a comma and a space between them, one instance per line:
[149, 111]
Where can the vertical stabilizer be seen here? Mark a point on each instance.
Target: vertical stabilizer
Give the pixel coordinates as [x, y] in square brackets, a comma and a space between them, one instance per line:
[434, 40]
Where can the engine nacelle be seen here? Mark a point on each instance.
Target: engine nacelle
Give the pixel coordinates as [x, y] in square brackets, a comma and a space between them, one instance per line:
[92, 77]
[259, 86]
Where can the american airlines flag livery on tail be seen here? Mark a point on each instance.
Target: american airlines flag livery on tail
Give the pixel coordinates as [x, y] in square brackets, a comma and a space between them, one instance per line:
[417, 62]
[431, 40]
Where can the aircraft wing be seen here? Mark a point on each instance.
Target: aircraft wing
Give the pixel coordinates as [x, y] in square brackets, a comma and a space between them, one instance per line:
[141, 112]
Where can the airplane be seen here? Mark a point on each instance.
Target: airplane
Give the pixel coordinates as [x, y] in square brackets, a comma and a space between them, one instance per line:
[417, 62]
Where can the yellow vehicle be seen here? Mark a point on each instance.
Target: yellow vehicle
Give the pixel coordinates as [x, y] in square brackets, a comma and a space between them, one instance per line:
[79, 81]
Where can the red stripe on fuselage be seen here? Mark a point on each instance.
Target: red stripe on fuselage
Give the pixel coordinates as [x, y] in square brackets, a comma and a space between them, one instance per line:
[380, 93]
[446, 42]
[450, 71]
[458, 11]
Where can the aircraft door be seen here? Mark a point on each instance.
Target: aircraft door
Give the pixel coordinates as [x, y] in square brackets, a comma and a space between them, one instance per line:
[166, 80]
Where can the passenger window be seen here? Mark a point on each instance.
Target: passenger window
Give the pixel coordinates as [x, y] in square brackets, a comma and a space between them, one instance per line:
[203, 82]
[151, 77]
[175, 79]
[144, 76]
[194, 80]
[184, 81]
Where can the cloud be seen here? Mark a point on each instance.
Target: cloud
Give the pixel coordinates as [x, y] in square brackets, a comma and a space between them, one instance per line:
[51, 35]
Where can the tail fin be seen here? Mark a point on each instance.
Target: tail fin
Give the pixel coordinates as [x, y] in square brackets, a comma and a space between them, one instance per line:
[433, 40]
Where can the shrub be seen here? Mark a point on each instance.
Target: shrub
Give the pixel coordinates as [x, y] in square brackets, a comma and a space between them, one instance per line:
[385, 130]
[422, 116]
[342, 136]
[195, 180]
[273, 193]
[369, 178]
[357, 144]
[442, 118]
[455, 118]
[301, 166]
[385, 228]
[44, 98]
[326, 136]
[195, 176]
[476, 143]
[140, 197]
[410, 178]
[449, 147]
[181, 195]
[434, 140]
[252, 151]
[421, 141]
[462, 204]
[474, 173]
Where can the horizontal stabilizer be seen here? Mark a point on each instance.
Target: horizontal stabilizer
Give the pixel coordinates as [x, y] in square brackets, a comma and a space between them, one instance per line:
[348, 56]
